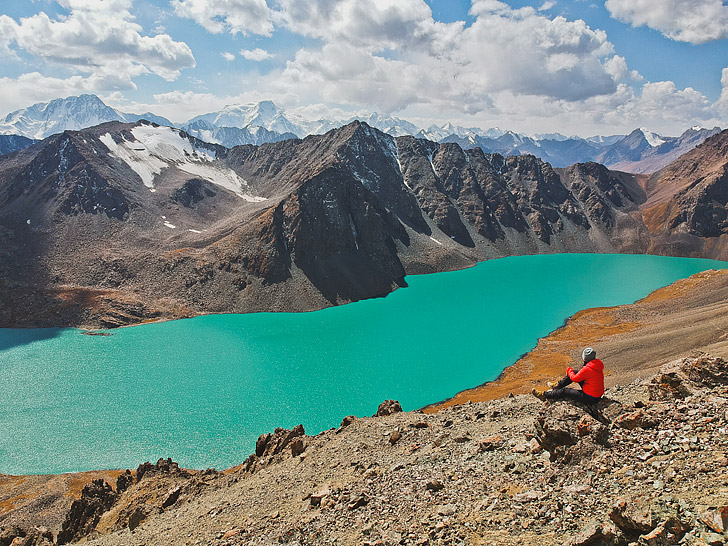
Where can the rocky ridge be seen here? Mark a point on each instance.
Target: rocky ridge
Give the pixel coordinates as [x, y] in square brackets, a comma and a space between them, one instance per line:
[123, 223]
[648, 468]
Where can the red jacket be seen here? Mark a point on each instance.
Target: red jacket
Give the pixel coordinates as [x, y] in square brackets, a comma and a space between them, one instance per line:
[591, 377]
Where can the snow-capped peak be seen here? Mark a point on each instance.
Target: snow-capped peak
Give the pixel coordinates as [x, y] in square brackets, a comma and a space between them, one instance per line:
[653, 139]
[44, 119]
[262, 114]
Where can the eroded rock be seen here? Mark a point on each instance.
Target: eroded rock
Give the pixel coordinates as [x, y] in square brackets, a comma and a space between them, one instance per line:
[96, 498]
[388, 407]
[274, 443]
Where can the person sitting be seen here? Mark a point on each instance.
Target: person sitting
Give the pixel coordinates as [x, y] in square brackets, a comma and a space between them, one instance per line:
[590, 377]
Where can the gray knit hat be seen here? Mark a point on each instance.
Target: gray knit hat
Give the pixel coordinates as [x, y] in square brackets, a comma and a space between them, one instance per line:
[588, 355]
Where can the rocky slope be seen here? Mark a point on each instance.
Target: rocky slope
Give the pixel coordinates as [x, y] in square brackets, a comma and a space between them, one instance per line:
[687, 206]
[648, 468]
[123, 223]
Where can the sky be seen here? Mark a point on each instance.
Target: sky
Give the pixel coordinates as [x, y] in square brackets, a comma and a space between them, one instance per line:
[579, 67]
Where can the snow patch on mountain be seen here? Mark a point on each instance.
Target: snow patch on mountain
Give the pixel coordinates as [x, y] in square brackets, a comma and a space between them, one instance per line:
[653, 139]
[156, 148]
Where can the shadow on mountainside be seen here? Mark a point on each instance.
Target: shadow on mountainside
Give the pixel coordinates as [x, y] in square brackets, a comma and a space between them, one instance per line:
[349, 276]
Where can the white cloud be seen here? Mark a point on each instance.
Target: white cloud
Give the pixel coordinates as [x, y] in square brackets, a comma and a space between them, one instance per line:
[393, 55]
[658, 105]
[377, 24]
[256, 54]
[721, 105]
[227, 56]
[16, 93]
[694, 21]
[235, 16]
[97, 38]
[546, 6]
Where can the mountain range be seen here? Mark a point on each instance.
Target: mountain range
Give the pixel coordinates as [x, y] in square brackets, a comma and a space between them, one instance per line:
[642, 151]
[126, 222]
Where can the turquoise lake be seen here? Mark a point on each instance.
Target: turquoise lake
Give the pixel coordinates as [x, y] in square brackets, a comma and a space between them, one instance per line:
[202, 390]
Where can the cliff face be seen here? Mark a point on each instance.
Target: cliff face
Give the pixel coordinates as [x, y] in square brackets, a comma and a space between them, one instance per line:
[124, 222]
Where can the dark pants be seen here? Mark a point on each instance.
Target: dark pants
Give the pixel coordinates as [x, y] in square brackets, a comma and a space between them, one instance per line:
[560, 392]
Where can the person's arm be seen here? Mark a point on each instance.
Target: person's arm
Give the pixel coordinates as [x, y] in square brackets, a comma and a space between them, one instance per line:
[577, 377]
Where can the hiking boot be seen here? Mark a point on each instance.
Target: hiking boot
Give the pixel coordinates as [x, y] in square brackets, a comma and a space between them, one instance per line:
[539, 394]
[551, 384]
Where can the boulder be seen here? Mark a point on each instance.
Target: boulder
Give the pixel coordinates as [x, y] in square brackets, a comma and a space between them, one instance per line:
[163, 466]
[667, 533]
[490, 443]
[716, 520]
[650, 522]
[682, 378]
[16, 536]
[595, 534]
[316, 498]
[670, 383]
[706, 370]
[274, 443]
[388, 407]
[569, 432]
[637, 419]
[434, 485]
[633, 517]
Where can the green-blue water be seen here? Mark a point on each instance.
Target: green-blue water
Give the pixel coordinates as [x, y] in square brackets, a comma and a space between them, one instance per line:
[201, 390]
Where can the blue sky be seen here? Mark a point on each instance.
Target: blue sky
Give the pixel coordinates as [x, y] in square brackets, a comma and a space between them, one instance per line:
[579, 67]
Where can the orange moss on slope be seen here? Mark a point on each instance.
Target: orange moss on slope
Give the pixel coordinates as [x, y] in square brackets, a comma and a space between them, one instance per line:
[655, 217]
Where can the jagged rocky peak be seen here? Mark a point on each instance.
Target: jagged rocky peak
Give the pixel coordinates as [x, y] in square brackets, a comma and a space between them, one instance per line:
[63, 172]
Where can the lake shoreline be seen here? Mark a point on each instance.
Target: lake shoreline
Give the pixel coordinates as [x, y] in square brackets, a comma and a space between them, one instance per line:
[610, 330]
[245, 354]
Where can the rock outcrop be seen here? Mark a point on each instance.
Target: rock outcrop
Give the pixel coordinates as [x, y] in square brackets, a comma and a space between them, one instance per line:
[96, 498]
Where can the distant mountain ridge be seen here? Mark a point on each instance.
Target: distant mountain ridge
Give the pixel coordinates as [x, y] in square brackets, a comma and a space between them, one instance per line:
[73, 113]
[642, 151]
